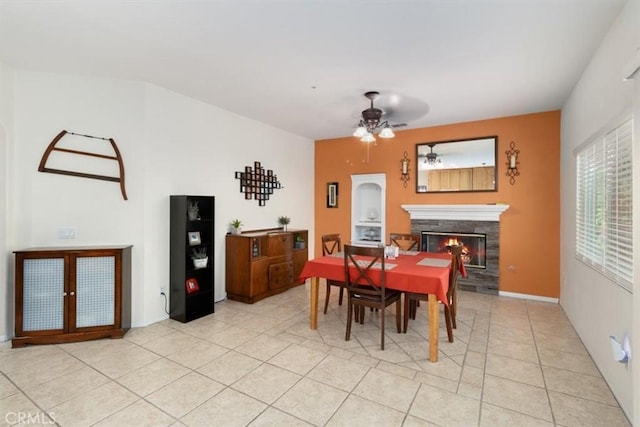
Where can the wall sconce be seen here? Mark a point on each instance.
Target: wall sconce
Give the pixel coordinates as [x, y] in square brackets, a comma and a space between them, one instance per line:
[404, 169]
[512, 162]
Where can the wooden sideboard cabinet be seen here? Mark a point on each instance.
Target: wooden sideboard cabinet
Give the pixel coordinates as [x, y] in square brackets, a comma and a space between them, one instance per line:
[69, 294]
[262, 263]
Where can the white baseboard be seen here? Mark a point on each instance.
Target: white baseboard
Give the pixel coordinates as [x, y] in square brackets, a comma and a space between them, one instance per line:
[4, 338]
[527, 296]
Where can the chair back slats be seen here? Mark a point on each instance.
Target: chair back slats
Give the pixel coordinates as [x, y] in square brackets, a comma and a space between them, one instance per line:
[369, 277]
[405, 241]
[331, 243]
[456, 260]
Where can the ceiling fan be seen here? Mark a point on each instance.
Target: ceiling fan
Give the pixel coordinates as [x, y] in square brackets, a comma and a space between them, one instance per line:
[371, 121]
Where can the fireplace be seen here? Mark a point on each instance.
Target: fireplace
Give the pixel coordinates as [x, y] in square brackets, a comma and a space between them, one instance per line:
[465, 220]
[474, 246]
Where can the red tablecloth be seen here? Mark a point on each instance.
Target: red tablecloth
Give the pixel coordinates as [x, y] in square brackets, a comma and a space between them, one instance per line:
[406, 276]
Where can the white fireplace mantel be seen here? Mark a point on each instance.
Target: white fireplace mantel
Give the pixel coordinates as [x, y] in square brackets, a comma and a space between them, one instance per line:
[456, 212]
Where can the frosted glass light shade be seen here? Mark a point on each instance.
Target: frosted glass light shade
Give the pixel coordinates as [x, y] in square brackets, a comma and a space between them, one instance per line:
[386, 132]
[367, 138]
[360, 132]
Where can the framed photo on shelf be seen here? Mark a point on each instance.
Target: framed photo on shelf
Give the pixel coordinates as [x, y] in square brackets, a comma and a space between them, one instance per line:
[192, 286]
[194, 238]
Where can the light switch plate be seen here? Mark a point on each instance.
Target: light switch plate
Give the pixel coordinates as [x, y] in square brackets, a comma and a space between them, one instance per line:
[66, 233]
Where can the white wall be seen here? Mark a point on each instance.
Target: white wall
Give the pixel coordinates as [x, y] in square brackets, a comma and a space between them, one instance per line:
[170, 144]
[596, 306]
[6, 264]
[195, 148]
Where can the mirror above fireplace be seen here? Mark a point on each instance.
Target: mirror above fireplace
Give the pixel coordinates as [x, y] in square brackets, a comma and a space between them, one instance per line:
[458, 165]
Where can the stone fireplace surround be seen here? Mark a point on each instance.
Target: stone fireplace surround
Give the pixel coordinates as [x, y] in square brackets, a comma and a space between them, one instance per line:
[482, 219]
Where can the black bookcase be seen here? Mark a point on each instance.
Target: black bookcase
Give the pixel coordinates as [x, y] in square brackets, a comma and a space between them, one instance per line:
[192, 290]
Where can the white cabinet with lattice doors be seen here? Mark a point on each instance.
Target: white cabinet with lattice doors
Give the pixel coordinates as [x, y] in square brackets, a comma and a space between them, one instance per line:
[368, 209]
[72, 294]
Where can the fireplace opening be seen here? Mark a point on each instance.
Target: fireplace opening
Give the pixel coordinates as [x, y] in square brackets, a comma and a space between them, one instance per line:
[474, 250]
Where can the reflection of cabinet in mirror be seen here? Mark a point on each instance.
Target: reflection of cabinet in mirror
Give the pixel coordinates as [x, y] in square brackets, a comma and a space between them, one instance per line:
[368, 209]
[484, 178]
[463, 179]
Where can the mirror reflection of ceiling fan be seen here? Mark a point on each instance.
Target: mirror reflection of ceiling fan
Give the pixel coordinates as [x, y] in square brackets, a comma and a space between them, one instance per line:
[431, 159]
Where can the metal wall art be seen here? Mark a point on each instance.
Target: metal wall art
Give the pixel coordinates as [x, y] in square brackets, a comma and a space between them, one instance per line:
[404, 169]
[512, 162]
[258, 183]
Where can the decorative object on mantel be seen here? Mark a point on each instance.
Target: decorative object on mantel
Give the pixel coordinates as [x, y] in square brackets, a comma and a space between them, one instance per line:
[332, 194]
[257, 183]
[512, 162]
[404, 169]
[73, 150]
[284, 221]
[236, 227]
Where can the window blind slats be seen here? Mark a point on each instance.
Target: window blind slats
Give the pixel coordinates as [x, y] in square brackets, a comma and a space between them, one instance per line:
[604, 205]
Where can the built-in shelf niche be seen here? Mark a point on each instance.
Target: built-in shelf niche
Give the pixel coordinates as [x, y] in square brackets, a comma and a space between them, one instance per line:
[368, 209]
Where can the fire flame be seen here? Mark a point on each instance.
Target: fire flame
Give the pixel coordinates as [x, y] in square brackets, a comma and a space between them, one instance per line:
[453, 241]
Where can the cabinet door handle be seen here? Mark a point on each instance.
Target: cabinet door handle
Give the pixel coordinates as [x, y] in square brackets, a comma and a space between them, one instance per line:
[64, 294]
[73, 293]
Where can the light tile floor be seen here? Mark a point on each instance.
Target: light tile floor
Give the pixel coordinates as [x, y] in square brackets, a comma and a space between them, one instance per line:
[513, 363]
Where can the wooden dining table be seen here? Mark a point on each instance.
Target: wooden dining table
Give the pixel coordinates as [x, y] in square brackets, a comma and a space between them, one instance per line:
[412, 271]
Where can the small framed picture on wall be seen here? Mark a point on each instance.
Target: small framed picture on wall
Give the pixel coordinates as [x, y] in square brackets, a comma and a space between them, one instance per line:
[332, 194]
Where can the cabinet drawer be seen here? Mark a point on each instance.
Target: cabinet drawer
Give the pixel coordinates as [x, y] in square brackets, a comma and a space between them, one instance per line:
[280, 274]
[280, 244]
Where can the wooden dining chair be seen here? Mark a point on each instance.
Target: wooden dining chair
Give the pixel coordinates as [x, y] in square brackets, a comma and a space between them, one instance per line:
[365, 280]
[332, 243]
[405, 241]
[411, 299]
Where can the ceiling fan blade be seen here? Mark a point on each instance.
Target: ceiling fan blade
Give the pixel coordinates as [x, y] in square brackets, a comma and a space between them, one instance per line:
[404, 109]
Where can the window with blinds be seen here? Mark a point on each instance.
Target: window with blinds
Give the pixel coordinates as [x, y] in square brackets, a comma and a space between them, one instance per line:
[604, 235]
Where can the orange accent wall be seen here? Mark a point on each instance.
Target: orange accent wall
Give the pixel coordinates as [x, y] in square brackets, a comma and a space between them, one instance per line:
[529, 229]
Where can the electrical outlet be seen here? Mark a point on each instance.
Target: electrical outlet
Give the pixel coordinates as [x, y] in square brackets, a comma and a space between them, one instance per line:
[163, 290]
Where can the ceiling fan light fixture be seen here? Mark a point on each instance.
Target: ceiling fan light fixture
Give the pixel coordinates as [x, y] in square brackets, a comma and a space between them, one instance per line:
[360, 132]
[386, 132]
[370, 122]
[368, 137]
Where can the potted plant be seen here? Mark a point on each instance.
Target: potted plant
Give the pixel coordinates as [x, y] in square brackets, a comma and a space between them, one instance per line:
[236, 226]
[199, 257]
[299, 243]
[284, 221]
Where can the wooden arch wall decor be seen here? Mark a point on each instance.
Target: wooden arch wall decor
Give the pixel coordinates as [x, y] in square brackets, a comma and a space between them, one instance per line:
[257, 183]
[115, 157]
